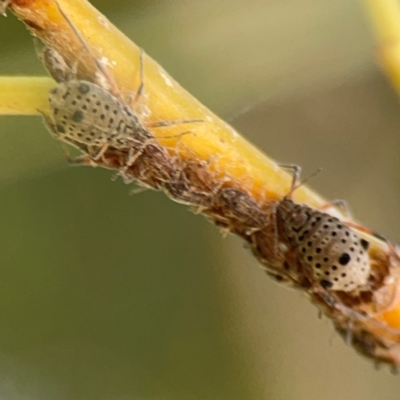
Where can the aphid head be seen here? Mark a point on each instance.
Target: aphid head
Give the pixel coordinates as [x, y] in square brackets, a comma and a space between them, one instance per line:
[291, 217]
[58, 95]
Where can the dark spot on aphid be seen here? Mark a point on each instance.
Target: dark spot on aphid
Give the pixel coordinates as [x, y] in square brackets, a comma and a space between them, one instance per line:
[309, 244]
[107, 107]
[333, 233]
[78, 116]
[334, 267]
[358, 259]
[336, 279]
[305, 232]
[73, 102]
[301, 238]
[83, 88]
[351, 248]
[327, 273]
[330, 220]
[364, 244]
[339, 226]
[102, 116]
[343, 275]
[347, 233]
[326, 226]
[92, 133]
[326, 284]
[79, 97]
[326, 259]
[309, 258]
[344, 241]
[80, 134]
[84, 107]
[60, 129]
[318, 250]
[88, 138]
[55, 111]
[115, 112]
[318, 265]
[111, 120]
[94, 110]
[344, 259]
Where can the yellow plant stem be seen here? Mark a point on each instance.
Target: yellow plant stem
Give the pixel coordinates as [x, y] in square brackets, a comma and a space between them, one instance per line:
[166, 99]
[24, 95]
[385, 17]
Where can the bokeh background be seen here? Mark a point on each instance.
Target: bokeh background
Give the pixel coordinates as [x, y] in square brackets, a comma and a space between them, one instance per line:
[109, 296]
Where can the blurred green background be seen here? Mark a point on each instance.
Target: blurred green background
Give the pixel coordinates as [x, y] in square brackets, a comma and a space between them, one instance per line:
[109, 296]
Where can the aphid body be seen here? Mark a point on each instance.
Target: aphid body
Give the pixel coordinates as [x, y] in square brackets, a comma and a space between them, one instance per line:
[335, 255]
[89, 115]
[85, 113]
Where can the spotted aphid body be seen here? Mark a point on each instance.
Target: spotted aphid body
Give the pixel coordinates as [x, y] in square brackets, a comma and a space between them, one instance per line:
[83, 112]
[336, 255]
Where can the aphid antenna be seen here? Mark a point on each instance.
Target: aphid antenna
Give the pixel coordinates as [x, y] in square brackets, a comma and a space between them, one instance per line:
[296, 183]
[98, 63]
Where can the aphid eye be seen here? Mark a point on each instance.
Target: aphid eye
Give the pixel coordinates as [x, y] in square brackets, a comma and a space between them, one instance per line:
[364, 244]
[326, 284]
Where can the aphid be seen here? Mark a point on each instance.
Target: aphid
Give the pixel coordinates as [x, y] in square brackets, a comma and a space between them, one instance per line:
[88, 116]
[335, 255]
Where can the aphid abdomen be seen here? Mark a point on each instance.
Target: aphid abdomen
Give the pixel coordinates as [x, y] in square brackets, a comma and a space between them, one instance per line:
[86, 113]
[335, 255]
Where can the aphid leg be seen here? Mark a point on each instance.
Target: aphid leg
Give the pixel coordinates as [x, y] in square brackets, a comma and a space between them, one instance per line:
[141, 80]
[161, 124]
[296, 171]
[96, 152]
[340, 204]
[100, 66]
[296, 183]
[49, 122]
[275, 229]
[82, 160]
[3, 6]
